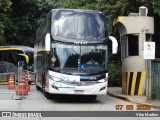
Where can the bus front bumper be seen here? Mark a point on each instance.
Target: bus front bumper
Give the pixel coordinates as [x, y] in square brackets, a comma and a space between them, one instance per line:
[61, 88]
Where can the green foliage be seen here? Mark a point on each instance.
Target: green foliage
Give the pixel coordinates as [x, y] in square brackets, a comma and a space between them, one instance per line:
[114, 74]
[19, 20]
[22, 25]
[80, 4]
[155, 95]
[27, 15]
[4, 18]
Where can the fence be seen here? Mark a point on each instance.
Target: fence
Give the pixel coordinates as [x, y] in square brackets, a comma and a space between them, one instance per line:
[7, 85]
[155, 79]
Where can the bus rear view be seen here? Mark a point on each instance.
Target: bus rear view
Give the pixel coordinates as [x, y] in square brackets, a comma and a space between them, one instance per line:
[73, 58]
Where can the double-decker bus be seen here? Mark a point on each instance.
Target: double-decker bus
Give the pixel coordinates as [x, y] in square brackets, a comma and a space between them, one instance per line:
[9, 58]
[71, 53]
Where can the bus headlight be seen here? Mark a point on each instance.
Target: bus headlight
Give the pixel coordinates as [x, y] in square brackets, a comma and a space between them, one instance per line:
[102, 80]
[103, 88]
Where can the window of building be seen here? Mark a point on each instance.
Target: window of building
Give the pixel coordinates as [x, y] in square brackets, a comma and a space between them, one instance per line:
[130, 45]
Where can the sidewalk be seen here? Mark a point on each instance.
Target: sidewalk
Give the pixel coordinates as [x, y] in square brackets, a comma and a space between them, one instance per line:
[117, 92]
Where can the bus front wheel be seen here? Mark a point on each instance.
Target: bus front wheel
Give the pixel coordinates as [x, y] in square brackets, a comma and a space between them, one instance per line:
[47, 95]
[37, 87]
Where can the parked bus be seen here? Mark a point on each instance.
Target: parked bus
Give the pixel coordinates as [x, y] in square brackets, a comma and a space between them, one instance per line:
[10, 55]
[71, 53]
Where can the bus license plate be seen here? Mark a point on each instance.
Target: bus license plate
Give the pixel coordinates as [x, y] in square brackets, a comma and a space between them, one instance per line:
[78, 91]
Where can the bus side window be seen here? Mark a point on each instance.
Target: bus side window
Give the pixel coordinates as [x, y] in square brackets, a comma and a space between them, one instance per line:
[3, 56]
[15, 55]
[10, 57]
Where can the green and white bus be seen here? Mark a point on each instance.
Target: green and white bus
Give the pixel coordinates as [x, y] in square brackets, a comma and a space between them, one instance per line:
[71, 53]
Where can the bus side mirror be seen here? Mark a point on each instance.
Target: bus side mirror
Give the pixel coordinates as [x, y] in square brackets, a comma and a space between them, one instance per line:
[47, 42]
[114, 44]
[24, 58]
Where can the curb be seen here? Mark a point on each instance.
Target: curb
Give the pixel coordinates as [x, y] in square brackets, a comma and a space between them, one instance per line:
[129, 100]
[117, 96]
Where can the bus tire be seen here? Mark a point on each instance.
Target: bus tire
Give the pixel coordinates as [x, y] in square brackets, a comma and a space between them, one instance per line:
[47, 95]
[37, 87]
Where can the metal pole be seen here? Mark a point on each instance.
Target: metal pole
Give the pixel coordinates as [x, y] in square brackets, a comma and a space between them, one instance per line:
[148, 68]
[149, 78]
[20, 71]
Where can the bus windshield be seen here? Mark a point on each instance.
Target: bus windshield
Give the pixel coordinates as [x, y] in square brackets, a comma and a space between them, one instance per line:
[79, 59]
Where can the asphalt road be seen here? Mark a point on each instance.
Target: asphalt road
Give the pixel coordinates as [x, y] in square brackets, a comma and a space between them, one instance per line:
[36, 101]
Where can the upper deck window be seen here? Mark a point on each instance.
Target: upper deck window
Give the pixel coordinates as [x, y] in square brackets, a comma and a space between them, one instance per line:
[72, 24]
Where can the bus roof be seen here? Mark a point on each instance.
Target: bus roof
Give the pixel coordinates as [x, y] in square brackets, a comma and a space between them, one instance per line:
[78, 10]
[24, 48]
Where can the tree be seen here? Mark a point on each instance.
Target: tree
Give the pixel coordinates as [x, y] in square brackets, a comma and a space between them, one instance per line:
[5, 8]
[19, 19]
[21, 32]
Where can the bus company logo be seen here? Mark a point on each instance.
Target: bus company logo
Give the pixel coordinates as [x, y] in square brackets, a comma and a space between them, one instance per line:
[64, 77]
[80, 42]
[6, 114]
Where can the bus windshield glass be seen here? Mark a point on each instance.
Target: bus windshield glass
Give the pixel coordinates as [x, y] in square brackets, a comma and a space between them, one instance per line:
[79, 59]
